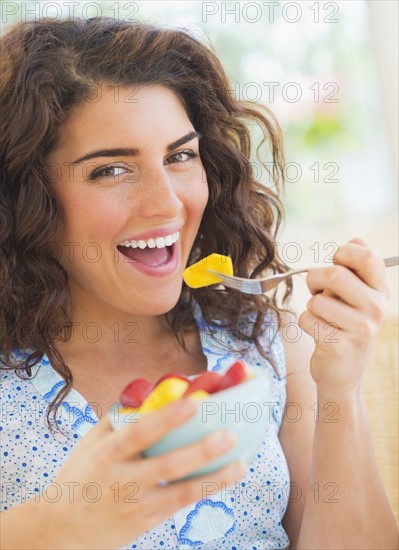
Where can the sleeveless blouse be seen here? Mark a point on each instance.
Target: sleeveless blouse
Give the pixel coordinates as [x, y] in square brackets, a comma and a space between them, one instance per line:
[244, 516]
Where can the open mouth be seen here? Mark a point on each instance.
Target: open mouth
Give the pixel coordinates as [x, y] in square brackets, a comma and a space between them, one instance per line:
[152, 253]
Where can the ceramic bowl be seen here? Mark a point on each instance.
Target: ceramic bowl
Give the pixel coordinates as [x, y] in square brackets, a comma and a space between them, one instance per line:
[245, 409]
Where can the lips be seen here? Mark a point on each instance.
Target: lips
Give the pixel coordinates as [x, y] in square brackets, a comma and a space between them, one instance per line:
[153, 252]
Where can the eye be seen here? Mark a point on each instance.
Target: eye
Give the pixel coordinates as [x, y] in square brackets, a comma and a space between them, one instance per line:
[182, 156]
[111, 171]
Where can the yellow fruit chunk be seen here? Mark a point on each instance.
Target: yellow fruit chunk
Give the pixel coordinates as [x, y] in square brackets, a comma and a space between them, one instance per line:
[197, 275]
[199, 394]
[168, 390]
[128, 410]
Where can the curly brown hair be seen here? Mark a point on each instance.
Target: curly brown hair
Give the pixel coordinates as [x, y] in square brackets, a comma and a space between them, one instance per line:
[48, 67]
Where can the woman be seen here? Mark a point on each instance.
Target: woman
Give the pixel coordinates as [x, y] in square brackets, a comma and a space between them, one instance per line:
[125, 157]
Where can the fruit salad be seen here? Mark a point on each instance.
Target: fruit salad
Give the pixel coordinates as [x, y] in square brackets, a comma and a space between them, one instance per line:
[146, 396]
[197, 275]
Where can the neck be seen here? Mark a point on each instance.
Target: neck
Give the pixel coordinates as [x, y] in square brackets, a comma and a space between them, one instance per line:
[129, 348]
[110, 340]
[104, 333]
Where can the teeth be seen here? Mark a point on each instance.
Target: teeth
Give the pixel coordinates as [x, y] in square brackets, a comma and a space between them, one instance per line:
[159, 242]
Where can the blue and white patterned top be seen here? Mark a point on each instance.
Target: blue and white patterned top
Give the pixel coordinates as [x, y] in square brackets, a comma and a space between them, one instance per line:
[246, 516]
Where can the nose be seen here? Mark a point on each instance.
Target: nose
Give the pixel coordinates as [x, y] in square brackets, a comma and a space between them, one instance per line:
[158, 195]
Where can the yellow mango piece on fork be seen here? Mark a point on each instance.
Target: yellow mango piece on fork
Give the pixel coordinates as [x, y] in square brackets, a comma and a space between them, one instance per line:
[197, 275]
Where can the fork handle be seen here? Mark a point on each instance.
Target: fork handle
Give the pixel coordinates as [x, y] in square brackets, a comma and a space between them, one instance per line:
[393, 260]
[389, 262]
[295, 271]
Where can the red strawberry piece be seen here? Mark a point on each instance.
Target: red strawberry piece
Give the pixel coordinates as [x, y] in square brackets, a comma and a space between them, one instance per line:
[236, 374]
[207, 381]
[135, 392]
[172, 375]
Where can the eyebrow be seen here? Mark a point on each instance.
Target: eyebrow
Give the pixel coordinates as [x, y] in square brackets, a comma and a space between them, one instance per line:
[132, 152]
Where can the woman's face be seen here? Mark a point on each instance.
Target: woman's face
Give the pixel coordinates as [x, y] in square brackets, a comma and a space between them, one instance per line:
[128, 175]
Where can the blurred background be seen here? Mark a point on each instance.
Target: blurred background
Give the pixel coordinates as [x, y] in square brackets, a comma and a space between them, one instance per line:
[329, 71]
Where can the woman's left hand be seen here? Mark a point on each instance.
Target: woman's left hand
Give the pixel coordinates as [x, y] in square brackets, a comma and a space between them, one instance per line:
[344, 315]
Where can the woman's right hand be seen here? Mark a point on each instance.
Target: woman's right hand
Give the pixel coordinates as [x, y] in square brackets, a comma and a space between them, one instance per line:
[116, 492]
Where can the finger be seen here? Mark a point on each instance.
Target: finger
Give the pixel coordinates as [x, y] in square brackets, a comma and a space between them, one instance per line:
[319, 329]
[335, 313]
[364, 262]
[327, 292]
[185, 460]
[145, 430]
[178, 495]
[96, 433]
[341, 282]
[359, 240]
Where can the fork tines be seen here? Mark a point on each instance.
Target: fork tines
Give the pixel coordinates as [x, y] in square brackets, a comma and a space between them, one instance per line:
[242, 285]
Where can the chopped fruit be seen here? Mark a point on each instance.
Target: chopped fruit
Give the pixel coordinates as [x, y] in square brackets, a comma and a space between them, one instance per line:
[165, 392]
[172, 375]
[236, 374]
[199, 394]
[207, 381]
[147, 397]
[197, 275]
[135, 393]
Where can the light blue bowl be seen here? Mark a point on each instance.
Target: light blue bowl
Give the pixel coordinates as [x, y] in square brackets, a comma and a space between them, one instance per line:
[245, 409]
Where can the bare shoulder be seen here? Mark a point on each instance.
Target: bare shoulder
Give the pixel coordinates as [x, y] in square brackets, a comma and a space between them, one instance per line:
[297, 429]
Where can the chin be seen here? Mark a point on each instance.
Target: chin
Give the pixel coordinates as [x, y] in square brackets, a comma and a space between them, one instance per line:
[165, 302]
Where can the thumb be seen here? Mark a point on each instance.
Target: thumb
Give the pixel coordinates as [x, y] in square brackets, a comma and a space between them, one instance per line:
[359, 240]
[96, 433]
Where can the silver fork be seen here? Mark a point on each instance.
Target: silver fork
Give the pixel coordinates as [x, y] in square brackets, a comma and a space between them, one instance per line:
[259, 286]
